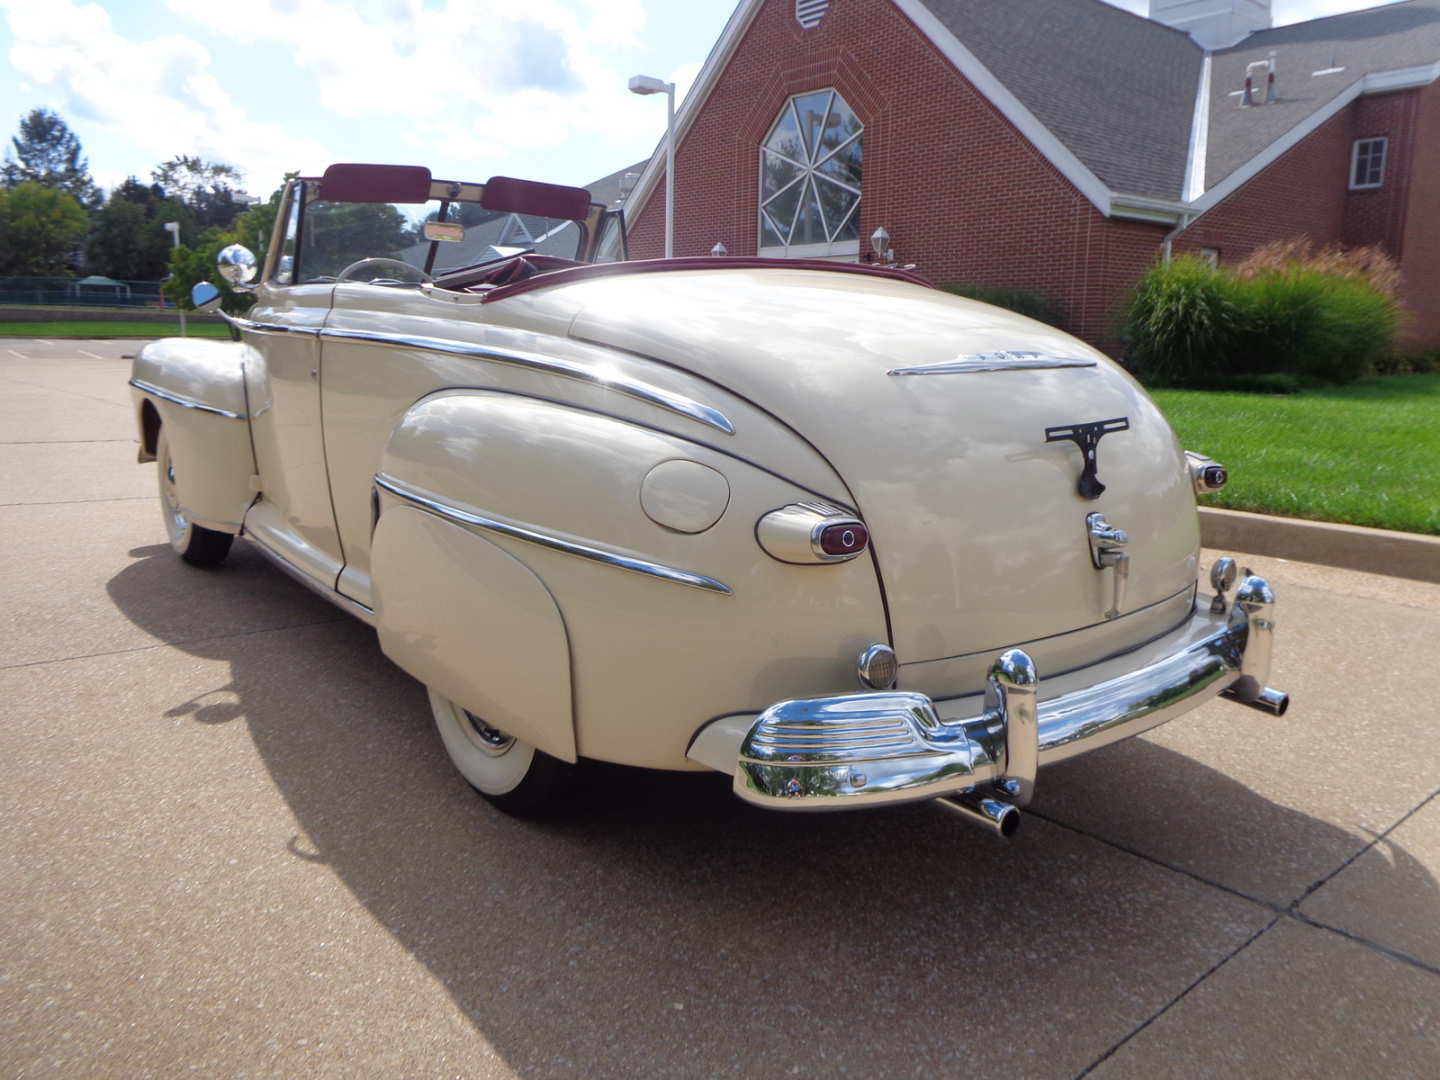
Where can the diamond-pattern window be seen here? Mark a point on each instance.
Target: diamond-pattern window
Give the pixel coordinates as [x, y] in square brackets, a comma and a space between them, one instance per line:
[810, 169]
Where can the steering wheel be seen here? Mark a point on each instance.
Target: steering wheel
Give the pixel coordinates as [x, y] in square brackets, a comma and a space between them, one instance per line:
[379, 260]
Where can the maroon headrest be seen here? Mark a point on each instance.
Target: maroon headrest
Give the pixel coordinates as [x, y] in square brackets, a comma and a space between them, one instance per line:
[509, 195]
[376, 183]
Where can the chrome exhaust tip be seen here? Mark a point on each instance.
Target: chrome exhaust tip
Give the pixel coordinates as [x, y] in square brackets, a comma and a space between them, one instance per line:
[993, 815]
[1269, 700]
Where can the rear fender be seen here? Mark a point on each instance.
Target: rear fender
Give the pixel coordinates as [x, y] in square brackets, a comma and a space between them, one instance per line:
[660, 608]
[195, 391]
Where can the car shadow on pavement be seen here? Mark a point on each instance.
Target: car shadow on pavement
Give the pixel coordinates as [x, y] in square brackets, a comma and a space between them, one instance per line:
[659, 926]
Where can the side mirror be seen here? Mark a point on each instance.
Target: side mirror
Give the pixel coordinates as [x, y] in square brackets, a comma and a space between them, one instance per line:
[236, 264]
[205, 297]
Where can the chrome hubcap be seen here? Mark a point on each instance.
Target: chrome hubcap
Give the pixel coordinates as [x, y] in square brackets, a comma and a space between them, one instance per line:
[490, 739]
[172, 501]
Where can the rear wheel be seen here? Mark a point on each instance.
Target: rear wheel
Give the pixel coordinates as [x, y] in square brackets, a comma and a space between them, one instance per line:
[512, 774]
[195, 544]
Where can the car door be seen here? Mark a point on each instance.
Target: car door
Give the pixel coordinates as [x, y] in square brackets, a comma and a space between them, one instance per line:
[293, 515]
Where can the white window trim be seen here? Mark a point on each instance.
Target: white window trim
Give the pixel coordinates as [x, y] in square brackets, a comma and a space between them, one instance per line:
[835, 250]
[1384, 141]
[838, 251]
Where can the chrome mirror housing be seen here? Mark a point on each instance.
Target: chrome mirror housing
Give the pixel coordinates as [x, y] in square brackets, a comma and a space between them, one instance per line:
[205, 296]
[236, 264]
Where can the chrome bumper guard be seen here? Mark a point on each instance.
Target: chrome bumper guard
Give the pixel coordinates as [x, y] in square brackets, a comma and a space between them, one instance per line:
[868, 749]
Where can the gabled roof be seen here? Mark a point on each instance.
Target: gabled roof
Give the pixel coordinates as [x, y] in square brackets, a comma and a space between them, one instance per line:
[611, 190]
[1392, 38]
[1135, 114]
[1116, 88]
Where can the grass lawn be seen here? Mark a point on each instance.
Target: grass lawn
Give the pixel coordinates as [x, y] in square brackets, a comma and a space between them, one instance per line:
[110, 329]
[1366, 454]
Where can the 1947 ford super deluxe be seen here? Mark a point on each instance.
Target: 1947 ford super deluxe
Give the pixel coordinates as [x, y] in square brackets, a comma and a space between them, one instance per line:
[846, 538]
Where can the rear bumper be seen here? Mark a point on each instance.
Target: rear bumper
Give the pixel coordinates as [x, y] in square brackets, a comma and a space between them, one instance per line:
[884, 747]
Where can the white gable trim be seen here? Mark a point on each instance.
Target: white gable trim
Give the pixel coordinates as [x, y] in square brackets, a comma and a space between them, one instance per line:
[714, 66]
[1010, 106]
[1199, 136]
[1374, 83]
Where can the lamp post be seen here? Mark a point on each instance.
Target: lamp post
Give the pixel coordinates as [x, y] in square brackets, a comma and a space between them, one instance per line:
[648, 84]
[173, 228]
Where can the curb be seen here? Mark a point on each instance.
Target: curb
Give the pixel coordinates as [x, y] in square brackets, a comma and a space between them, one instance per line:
[1350, 547]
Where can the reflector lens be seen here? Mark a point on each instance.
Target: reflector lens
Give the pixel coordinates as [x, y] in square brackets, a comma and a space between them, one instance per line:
[1214, 477]
[846, 539]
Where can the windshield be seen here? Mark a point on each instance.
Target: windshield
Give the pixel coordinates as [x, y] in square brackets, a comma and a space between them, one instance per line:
[336, 235]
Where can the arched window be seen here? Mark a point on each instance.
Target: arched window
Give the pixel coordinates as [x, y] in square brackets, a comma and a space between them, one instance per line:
[810, 167]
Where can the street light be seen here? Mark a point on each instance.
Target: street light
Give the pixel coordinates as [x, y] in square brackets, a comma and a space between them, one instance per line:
[173, 228]
[648, 84]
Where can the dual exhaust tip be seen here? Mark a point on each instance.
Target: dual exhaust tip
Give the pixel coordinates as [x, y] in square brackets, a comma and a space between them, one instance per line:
[995, 815]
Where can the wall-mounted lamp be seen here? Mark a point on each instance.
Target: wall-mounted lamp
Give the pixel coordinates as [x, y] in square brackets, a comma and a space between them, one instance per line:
[880, 244]
[719, 249]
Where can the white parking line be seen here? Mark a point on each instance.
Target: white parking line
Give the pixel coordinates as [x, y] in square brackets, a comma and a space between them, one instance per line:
[42, 341]
[22, 356]
[91, 355]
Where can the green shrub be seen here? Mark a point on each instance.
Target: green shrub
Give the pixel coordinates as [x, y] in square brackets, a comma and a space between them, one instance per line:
[1315, 325]
[1330, 318]
[1185, 324]
[1026, 302]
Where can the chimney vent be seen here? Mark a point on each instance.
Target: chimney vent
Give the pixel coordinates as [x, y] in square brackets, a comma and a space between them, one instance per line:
[1214, 24]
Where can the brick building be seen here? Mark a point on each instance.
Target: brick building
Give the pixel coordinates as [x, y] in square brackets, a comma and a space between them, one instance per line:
[1059, 145]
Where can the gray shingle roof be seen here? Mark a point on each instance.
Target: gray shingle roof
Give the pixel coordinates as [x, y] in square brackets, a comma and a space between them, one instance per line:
[1387, 38]
[1116, 88]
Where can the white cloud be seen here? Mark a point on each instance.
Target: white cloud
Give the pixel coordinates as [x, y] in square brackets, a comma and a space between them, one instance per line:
[484, 72]
[158, 95]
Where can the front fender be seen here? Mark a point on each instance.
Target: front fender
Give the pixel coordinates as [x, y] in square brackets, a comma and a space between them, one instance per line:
[195, 390]
[669, 620]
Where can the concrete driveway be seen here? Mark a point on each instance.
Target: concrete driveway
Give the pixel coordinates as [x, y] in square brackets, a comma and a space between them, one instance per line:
[230, 843]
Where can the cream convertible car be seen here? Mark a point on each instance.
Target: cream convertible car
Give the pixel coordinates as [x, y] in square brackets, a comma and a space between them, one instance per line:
[848, 539]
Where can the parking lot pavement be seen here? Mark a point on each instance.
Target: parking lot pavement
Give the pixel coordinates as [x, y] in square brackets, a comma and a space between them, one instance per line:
[231, 843]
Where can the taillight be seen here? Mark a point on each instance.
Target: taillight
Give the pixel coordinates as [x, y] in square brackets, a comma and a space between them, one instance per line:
[1206, 475]
[847, 539]
[811, 533]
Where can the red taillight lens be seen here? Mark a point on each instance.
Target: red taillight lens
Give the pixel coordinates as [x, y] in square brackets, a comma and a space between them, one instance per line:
[849, 538]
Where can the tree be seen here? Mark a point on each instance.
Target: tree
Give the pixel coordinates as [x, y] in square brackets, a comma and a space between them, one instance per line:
[208, 188]
[129, 240]
[47, 152]
[191, 265]
[40, 230]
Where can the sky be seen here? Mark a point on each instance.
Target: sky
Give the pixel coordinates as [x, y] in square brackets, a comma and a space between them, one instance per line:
[470, 88]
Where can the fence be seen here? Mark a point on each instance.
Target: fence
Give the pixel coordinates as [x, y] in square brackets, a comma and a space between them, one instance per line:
[80, 292]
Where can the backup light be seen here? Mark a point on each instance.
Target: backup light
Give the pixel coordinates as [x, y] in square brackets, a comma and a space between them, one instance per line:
[877, 667]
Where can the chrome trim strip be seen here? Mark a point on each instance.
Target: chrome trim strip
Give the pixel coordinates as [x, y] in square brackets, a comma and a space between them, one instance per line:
[270, 328]
[285, 566]
[179, 399]
[995, 361]
[555, 543]
[641, 391]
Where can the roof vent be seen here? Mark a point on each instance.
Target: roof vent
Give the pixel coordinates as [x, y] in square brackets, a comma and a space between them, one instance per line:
[1214, 24]
[1259, 82]
[808, 13]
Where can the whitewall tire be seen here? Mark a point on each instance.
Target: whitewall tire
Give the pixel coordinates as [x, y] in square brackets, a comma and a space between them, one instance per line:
[195, 544]
[512, 774]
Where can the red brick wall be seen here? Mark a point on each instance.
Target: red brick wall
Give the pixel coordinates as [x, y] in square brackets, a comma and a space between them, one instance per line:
[959, 189]
[1377, 215]
[1420, 246]
[1301, 194]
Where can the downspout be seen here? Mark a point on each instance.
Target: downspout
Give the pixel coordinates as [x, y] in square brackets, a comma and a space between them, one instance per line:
[1186, 220]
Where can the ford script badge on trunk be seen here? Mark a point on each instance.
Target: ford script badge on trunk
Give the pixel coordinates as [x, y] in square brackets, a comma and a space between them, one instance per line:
[1087, 437]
